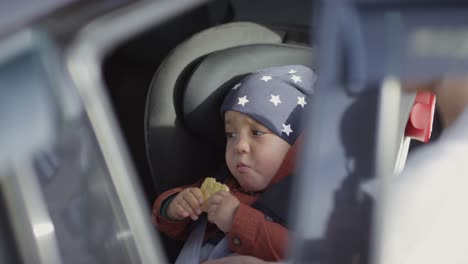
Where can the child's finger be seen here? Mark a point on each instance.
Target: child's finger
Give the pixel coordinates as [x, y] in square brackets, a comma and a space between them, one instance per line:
[216, 198]
[224, 193]
[187, 207]
[193, 203]
[211, 213]
[180, 212]
[198, 194]
[212, 209]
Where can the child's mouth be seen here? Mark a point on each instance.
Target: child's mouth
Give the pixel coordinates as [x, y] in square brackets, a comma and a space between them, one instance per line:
[242, 168]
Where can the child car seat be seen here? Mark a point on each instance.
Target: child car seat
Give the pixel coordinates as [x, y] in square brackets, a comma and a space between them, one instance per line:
[177, 155]
[183, 129]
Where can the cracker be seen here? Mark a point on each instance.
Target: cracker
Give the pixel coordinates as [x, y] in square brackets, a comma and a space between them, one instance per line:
[210, 186]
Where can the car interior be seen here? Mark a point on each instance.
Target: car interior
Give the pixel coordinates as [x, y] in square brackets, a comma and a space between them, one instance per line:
[177, 86]
[188, 130]
[135, 67]
[166, 84]
[129, 70]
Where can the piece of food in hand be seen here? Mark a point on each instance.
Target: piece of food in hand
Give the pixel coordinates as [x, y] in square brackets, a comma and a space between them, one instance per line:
[210, 186]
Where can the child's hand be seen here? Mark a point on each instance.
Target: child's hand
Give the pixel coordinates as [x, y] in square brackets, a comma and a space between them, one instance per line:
[221, 208]
[186, 203]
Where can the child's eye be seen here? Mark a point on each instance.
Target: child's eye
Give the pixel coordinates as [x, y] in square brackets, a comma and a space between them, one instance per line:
[257, 133]
[230, 134]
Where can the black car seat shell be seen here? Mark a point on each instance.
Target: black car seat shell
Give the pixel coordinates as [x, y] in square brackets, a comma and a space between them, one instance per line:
[219, 72]
[175, 156]
[183, 127]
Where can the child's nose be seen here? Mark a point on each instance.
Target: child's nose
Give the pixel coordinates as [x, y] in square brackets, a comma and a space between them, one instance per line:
[242, 145]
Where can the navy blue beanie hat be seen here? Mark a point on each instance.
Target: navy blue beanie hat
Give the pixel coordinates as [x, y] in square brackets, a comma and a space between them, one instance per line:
[275, 97]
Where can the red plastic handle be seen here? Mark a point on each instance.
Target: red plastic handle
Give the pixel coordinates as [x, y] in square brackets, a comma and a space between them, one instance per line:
[421, 118]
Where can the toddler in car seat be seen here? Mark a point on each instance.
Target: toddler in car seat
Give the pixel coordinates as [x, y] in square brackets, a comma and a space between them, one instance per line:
[262, 117]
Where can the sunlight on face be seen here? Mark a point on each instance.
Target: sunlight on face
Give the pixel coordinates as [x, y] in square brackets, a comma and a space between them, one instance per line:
[253, 152]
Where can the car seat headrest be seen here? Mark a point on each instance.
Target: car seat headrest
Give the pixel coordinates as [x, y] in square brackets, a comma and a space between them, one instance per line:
[168, 141]
[218, 72]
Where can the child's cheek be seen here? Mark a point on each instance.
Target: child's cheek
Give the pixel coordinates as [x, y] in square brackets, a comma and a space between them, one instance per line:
[268, 167]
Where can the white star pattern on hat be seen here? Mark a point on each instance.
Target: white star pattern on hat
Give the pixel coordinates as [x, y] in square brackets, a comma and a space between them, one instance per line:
[275, 99]
[296, 78]
[301, 101]
[275, 96]
[243, 100]
[287, 129]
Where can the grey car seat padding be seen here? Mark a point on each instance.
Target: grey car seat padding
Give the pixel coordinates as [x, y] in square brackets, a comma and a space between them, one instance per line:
[168, 144]
[198, 133]
[219, 72]
[192, 146]
[183, 128]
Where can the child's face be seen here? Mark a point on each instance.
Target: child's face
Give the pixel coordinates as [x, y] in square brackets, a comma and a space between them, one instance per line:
[253, 152]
